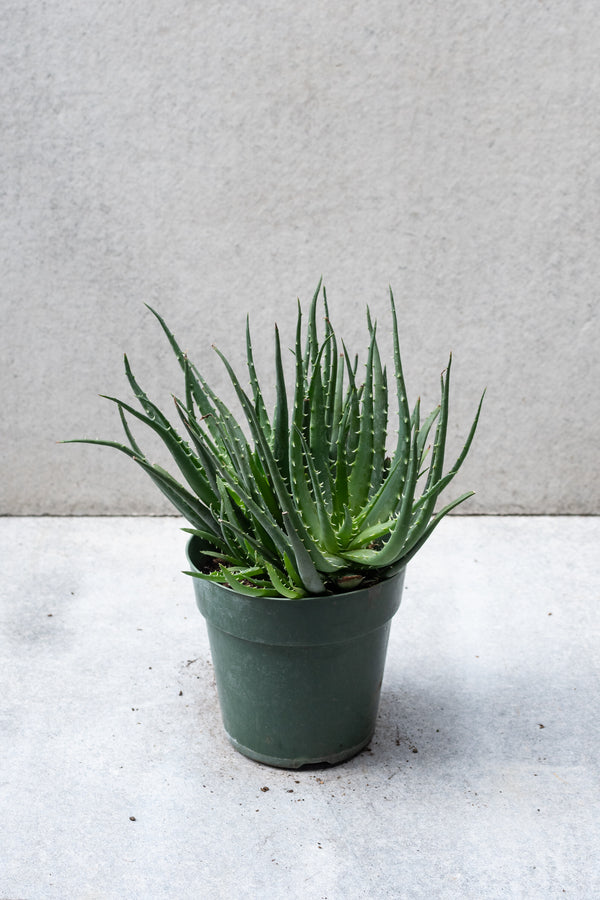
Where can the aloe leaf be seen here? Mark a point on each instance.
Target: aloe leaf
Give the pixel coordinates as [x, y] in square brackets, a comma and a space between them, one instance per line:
[208, 413]
[300, 488]
[412, 549]
[424, 431]
[326, 534]
[380, 417]
[262, 549]
[292, 571]
[204, 454]
[210, 416]
[416, 426]
[352, 402]
[337, 412]
[403, 443]
[263, 493]
[231, 520]
[362, 464]
[292, 593]
[234, 442]
[367, 535]
[190, 507]
[223, 426]
[171, 338]
[227, 468]
[209, 405]
[225, 419]
[416, 415]
[238, 583]
[319, 441]
[329, 367]
[281, 416]
[442, 483]
[150, 408]
[122, 447]
[212, 539]
[428, 498]
[293, 522]
[312, 342]
[227, 559]
[204, 512]
[391, 550]
[432, 493]
[180, 452]
[195, 386]
[134, 445]
[340, 492]
[261, 541]
[235, 576]
[230, 447]
[439, 445]
[434, 475]
[262, 516]
[383, 503]
[278, 544]
[254, 572]
[329, 380]
[212, 577]
[307, 571]
[259, 403]
[469, 440]
[332, 410]
[345, 530]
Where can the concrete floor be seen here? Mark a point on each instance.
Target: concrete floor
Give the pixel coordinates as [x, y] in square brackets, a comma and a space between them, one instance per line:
[116, 780]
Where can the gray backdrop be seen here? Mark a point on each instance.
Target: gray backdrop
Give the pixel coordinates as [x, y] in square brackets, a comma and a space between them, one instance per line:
[215, 159]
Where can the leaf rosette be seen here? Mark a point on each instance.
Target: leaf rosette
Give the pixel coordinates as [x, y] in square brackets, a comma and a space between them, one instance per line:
[310, 502]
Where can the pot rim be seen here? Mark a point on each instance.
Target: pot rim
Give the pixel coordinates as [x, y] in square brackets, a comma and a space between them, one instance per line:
[334, 595]
[304, 621]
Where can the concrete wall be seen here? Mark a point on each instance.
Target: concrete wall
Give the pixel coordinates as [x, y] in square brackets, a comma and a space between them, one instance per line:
[216, 158]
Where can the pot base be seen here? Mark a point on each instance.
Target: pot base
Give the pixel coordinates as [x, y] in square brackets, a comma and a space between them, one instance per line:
[298, 762]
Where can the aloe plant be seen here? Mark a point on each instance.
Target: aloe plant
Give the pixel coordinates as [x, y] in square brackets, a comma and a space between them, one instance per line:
[311, 502]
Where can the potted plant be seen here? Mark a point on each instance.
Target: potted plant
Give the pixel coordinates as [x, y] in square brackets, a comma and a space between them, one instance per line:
[301, 530]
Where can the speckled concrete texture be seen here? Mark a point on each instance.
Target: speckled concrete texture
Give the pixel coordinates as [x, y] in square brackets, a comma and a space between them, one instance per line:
[214, 159]
[481, 781]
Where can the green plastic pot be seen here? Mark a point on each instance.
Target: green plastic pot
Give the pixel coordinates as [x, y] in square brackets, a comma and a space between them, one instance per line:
[298, 680]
